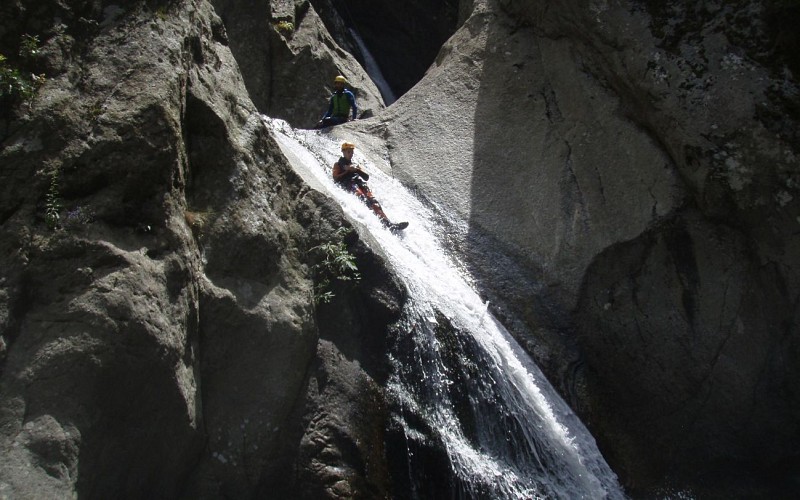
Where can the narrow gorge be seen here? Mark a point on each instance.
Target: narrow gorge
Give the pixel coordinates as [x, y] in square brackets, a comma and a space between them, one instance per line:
[614, 184]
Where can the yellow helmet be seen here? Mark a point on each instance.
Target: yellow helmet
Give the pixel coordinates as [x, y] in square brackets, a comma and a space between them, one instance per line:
[348, 145]
[340, 79]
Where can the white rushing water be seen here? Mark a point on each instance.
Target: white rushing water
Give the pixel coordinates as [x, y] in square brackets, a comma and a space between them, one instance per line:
[458, 379]
[373, 70]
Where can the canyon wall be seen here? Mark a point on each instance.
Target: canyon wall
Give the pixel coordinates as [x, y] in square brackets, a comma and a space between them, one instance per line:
[623, 180]
[159, 334]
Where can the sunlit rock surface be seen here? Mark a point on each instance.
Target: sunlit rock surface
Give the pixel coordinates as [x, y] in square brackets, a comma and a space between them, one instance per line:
[621, 178]
[623, 181]
[158, 332]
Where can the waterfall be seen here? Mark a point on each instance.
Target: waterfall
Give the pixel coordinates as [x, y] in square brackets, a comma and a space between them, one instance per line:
[470, 411]
[373, 70]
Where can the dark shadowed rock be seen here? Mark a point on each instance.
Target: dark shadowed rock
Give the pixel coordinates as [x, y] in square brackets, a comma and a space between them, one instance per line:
[584, 131]
[626, 174]
[157, 327]
[403, 37]
[730, 410]
[342, 451]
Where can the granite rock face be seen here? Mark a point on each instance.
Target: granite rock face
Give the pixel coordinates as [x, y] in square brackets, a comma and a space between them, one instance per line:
[402, 37]
[632, 211]
[620, 177]
[156, 302]
[288, 60]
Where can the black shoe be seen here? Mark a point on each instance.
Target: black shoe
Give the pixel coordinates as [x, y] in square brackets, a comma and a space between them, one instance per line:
[398, 226]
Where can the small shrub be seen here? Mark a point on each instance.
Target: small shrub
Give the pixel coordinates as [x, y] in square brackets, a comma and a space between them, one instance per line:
[29, 47]
[337, 264]
[94, 110]
[13, 84]
[53, 202]
[284, 27]
[16, 84]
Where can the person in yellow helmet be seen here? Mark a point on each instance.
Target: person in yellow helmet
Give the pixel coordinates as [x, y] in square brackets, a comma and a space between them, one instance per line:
[352, 179]
[342, 106]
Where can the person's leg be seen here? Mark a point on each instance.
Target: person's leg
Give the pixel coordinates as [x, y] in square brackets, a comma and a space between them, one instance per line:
[331, 121]
[363, 192]
[350, 187]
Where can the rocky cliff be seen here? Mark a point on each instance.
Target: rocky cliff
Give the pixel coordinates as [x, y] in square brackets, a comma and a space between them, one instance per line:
[627, 175]
[403, 37]
[288, 60]
[159, 333]
[621, 178]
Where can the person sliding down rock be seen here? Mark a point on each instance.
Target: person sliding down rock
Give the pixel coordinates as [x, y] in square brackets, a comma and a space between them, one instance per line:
[341, 105]
[353, 180]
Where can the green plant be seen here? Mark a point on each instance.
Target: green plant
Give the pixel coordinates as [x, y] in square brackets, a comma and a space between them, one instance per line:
[284, 27]
[16, 84]
[53, 202]
[94, 111]
[161, 12]
[336, 264]
[13, 83]
[29, 47]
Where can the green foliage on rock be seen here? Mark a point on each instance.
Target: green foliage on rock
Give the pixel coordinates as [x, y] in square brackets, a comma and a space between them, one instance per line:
[53, 202]
[336, 264]
[162, 12]
[284, 27]
[16, 84]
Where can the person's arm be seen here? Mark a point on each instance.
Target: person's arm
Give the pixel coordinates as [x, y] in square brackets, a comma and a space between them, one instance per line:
[353, 106]
[339, 172]
[330, 109]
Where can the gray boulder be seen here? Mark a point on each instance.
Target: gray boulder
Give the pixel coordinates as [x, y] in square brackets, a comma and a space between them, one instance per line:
[627, 178]
[156, 301]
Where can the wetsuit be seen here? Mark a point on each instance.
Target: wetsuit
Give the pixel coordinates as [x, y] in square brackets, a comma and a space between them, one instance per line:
[354, 182]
